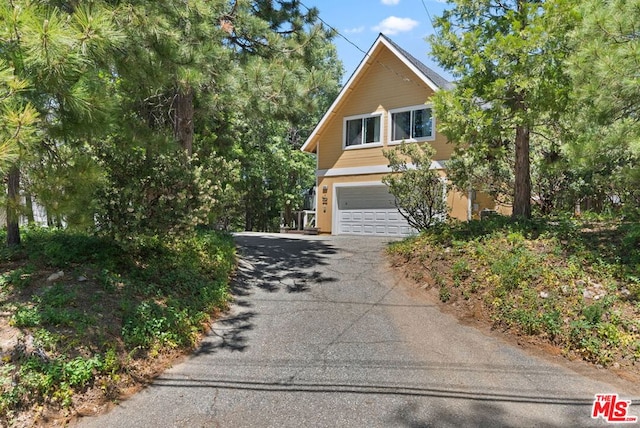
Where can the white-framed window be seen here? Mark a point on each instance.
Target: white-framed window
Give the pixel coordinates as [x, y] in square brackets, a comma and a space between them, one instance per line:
[362, 130]
[412, 124]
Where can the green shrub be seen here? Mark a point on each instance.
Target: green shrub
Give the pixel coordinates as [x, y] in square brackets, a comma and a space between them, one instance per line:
[26, 316]
[593, 313]
[552, 322]
[60, 248]
[444, 294]
[163, 290]
[19, 278]
[461, 270]
[516, 268]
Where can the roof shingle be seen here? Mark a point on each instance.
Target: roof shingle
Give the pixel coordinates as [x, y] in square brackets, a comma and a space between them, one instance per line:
[438, 80]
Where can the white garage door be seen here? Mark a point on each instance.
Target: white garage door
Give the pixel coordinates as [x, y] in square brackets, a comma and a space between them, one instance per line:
[369, 210]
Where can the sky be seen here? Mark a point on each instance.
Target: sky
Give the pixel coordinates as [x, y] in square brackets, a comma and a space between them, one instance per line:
[406, 22]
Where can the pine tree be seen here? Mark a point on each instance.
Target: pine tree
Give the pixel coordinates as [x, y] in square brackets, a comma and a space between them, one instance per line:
[509, 83]
[53, 52]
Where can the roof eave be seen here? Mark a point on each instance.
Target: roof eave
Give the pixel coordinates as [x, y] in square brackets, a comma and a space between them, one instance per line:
[311, 144]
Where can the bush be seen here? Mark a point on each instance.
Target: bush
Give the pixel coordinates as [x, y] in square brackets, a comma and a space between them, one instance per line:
[60, 248]
[420, 193]
[159, 195]
[163, 291]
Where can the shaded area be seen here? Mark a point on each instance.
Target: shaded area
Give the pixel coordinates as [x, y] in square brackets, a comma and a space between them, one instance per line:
[269, 263]
[275, 263]
[229, 334]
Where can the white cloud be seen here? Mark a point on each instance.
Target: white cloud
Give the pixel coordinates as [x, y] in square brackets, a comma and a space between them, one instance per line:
[390, 2]
[354, 30]
[394, 25]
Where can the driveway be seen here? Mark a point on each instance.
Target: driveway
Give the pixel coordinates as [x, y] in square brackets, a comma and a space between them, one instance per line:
[322, 334]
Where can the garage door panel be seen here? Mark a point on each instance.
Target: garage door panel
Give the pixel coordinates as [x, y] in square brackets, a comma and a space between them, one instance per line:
[369, 210]
[394, 216]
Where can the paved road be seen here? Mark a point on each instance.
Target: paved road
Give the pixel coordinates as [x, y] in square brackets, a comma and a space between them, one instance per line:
[321, 335]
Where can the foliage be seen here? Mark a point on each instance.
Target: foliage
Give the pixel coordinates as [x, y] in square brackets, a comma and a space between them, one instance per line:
[419, 191]
[135, 302]
[163, 194]
[17, 116]
[605, 100]
[254, 75]
[569, 282]
[236, 86]
[55, 53]
[60, 249]
[276, 177]
[510, 85]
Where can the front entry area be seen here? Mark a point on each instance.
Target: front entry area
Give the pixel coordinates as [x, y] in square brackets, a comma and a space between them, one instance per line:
[368, 210]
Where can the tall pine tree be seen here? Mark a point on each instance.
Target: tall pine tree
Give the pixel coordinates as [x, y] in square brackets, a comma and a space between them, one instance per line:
[509, 83]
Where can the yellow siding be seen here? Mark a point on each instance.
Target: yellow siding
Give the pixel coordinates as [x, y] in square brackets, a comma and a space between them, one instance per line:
[386, 84]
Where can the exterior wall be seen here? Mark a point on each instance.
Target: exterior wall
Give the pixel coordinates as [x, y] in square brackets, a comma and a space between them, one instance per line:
[384, 84]
[483, 201]
[378, 89]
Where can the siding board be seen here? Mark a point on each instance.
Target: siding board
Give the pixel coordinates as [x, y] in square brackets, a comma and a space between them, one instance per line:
[384, 84]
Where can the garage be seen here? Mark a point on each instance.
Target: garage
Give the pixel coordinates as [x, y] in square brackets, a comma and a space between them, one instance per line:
[368, 210]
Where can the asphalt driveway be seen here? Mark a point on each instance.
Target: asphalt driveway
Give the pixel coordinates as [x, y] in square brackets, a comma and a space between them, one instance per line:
[321, 334]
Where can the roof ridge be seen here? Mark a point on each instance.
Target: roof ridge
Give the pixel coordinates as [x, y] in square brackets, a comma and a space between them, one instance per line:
[431, 74]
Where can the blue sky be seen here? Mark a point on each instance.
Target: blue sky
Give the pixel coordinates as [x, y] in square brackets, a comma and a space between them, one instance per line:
[406, 22]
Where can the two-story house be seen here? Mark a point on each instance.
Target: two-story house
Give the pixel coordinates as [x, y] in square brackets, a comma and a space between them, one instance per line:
[385, 102]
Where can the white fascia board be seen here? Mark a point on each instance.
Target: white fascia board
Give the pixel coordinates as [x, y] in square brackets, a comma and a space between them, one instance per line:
[365, 170]
[410, 65]
[341, 95]
[346, 88]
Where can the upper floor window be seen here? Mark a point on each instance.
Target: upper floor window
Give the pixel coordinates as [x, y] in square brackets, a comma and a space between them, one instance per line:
[363, 129]
[412, 124]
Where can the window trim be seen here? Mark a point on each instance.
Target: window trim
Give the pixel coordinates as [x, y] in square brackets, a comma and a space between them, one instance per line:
[432, 137]
[362, 145]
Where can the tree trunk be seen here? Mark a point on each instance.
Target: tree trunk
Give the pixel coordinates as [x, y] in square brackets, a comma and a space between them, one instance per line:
[29, 209]
[13, 204]
[522, 197]
[183, 124]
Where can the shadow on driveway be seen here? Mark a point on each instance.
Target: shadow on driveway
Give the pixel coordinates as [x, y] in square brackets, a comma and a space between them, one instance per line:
[273, 263]
[270, 263]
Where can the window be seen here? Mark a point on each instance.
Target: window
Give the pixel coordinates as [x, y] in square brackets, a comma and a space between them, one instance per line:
[361, 130]
[412, 124]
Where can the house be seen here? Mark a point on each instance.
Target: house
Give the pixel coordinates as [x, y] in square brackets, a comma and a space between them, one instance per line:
[385, 102]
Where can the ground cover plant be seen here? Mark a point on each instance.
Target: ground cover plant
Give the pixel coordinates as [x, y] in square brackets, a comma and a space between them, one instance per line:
[85, 320]
[572, 284]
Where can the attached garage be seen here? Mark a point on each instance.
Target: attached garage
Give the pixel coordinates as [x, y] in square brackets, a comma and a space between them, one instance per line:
[368, 210]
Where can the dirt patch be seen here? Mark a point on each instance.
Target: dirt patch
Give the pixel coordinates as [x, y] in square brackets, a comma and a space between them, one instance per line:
[425, 276]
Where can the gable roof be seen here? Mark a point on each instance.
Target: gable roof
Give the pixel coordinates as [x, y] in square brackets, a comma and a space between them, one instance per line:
[424, 73]
[438, 80]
